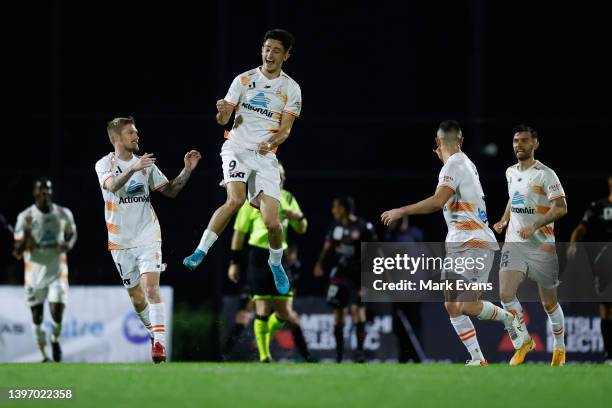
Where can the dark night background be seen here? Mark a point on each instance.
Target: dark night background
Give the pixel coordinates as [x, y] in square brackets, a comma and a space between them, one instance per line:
[376, 79]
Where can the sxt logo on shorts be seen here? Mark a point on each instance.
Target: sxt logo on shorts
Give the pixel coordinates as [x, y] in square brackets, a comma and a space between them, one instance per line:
[238, 174]
[126, 281]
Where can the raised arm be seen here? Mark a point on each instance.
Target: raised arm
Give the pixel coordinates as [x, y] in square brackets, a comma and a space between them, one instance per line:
[114, 183]
[281, 135]
[175, 186]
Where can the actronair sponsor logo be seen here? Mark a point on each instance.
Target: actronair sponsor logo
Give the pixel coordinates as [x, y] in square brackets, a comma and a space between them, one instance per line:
[266, 112]
[525, 210]
[138, 199]
[518, 204]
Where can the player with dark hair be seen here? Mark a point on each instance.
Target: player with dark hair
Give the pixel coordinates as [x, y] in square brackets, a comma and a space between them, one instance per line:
[342, 253]
[459, 193]
[536, 200]
[44, 233]
[266, 102]
[596, 226]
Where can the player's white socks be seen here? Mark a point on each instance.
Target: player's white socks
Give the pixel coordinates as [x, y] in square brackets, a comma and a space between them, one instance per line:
[515, 306]
[157, 312]
[40, 336]
[467, 333]
[144, 318]
[557, 324]
[276, 255]
[492, 312]
[57, 330]
[208, 238]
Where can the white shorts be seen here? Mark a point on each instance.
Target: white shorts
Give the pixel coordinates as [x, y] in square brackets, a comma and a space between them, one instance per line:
[55, 292]
[259, 172]
[538, 265]
[471, 265]
[133, 262]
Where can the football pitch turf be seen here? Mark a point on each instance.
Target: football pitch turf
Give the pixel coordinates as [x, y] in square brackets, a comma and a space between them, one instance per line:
[311, 385]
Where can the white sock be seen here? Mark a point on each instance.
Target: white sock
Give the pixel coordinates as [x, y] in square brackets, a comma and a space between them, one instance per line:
[492, 312]
[57, 330]
[144, 318]
[208, 238]
[276, 255]
[467, 333]
[515, 306]
[40, 337]
[158, 321]
[557, 325]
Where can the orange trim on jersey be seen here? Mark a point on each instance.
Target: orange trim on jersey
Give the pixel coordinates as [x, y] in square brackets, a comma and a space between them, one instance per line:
[112, 245]
[110, 206]
[291, 113]
[494, 315]
[542, 209]
[162, 185]
[244, 81]
[112, 228]
[547, 230]
[556, 198]
[226, 134]
[539, 190]
[476, 243]
[447, 186]
[555, 307]
[461, 206]
[467, 225]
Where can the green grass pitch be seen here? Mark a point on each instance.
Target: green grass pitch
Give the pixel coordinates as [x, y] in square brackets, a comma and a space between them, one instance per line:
[251, 385]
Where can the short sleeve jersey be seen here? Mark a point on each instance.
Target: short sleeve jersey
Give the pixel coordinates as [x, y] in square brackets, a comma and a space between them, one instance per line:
[465, 212]
[130, 218]
[42, 259]
[531, 192]
[259, 103]
[249, 221]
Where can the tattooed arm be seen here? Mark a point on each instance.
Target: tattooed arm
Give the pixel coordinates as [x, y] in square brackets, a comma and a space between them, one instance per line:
[175, 186]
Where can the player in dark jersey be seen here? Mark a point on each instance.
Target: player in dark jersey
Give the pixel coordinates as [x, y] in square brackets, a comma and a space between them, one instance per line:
[596, 226]
[341, 255]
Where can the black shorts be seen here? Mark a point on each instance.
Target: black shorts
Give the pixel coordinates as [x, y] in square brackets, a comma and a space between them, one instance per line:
[343, 293]
[261, 280]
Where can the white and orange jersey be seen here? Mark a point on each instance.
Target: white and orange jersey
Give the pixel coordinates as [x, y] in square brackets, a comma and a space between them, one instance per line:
[531, 192]
[130, 218]
[465, 212]
[259, 103]
[43, 260]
